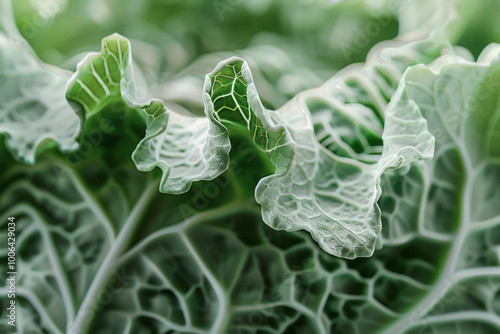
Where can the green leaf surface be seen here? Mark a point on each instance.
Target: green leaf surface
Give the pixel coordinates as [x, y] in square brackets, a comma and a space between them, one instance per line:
[349, 114]
[459, 196]
[184, 146]
[402, 149]
[103, 258]
[332, 197]
[33, 108]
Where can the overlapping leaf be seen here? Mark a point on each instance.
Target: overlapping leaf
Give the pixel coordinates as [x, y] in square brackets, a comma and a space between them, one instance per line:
[459, 200]
[187, 148]
[332, 197]
[100, 250]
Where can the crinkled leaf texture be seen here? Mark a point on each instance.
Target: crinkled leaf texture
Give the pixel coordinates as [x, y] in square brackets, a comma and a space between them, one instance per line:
[81, 269]
[459, 196]
[33, 107]
[101, 251]
[332, 197]
[187, 148]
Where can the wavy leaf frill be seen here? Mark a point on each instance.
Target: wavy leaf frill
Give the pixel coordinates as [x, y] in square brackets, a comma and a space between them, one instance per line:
[187, 148]
[332, 197]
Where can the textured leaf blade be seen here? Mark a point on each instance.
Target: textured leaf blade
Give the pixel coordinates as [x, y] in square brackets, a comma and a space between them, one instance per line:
[33, 108]
[459, 205]
[182, 145]
[332, 197]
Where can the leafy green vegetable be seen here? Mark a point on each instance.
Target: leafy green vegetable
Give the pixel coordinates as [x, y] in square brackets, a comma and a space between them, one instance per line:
[392, 166]
[107, 78]
[314, 190]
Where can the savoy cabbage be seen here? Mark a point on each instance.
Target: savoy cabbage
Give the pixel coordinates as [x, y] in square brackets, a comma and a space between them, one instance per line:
[260, 167]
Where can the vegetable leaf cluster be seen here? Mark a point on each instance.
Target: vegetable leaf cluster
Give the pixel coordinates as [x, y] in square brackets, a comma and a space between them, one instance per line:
[197, 173]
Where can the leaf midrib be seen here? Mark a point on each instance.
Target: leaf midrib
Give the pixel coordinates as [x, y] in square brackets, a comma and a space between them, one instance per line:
[80, 324]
